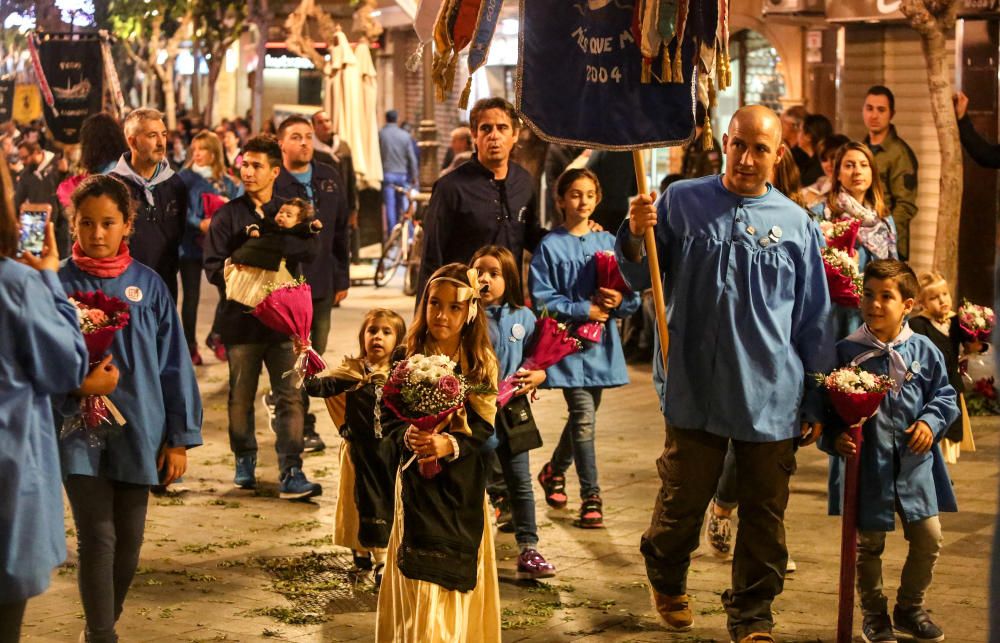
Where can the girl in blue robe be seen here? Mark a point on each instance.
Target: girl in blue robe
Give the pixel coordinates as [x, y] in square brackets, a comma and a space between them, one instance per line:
[41, 354]
[564, 282]
[152, 384]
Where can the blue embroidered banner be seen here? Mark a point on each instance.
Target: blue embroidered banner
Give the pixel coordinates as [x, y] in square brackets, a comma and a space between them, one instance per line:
[579, 78]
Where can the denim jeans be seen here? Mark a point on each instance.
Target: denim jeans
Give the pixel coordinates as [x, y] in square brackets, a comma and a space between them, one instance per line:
[217, 320]
[517, 474]
[689, 469]
[924, 538]
[395, 203]
[576, 444]
[110, 519]
[318, 335]
[191, 289]
[245, 362]
[727, 493]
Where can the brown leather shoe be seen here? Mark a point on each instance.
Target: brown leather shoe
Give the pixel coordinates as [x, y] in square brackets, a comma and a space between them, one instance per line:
[758, 637]
[673, 610]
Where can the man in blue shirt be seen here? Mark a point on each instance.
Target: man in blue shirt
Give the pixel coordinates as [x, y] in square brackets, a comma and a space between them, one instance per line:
[747, 305]
[399, 168]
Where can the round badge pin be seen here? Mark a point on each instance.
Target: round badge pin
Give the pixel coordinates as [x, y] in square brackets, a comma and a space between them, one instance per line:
[517, 332]
[764, 242]
[915, 366]
[133, 293]
[776, 232]
[751, 230]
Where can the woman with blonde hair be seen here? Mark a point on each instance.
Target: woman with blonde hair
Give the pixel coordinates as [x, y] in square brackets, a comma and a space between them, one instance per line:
[208, 186]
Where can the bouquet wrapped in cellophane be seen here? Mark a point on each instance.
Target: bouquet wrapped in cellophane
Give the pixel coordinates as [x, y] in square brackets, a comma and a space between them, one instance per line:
[975, 322]
[842, 277]
[551, 342]
[855, 393]
[100, 317]
[608, 276]
[841, 234]
[425, 390]
[288, 309]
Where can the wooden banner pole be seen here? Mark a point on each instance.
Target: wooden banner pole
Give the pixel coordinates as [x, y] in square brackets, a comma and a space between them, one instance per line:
[654, 263]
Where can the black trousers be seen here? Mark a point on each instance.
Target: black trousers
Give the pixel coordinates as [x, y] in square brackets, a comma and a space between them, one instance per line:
[689, 469]
[11, 615]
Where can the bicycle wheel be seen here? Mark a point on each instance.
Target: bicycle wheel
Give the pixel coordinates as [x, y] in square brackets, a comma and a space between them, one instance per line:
[412, 274]
[392, 257]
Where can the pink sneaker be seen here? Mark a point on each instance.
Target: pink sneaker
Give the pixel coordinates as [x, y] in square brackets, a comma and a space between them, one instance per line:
[531, 565]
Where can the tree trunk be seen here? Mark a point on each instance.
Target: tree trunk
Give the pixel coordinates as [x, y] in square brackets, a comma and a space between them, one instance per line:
[196, 53]
[259, 16]
[214, 69]
[933, 20]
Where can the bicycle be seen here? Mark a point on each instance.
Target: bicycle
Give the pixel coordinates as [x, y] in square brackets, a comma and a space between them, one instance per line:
[404, 246]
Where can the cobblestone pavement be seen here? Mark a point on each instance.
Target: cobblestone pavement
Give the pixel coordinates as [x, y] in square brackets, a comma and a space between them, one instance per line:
[221, 564]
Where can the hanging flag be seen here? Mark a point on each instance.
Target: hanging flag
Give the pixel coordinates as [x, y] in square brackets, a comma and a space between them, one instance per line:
[423, 25]
[70, 71]
[479, 49]
[580, 73]
[6, 100]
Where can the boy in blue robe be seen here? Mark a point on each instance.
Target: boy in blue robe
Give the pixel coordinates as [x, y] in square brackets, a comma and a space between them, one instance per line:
[901, 468]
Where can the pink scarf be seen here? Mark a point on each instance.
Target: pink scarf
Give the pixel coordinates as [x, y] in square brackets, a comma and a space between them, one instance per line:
[103, 268]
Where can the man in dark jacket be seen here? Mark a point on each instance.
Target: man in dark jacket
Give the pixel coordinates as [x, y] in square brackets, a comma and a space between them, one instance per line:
[333, 150]
[485, 200]
[896, 163]
[159, 195]
[250, 343]
[329, 273]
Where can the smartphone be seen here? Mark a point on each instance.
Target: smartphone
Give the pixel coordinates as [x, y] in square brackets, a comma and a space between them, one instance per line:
[33, 218]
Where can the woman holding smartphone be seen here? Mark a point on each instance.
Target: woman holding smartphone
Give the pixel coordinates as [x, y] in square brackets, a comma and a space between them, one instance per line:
[41, 353]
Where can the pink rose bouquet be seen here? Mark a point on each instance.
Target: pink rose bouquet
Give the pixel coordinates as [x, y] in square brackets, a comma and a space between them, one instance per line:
[288, 309]
[842, 277]
[975, 322]
[424, 390]
[550, 343]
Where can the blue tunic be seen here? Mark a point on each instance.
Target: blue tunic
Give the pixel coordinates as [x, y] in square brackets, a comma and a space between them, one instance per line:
[563, 278]
[157, 392]
[890, 472]
[510, 332]
[747, 307]
[41, 354]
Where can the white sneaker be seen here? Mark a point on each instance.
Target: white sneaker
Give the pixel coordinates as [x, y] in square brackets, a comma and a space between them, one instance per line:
[719, 533]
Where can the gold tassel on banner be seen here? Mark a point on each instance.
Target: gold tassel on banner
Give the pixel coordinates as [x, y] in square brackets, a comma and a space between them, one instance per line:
[449, 74]
[463, 102]
[706, 135]
[712, 95]
[678, 66]
[665, 73]
[647, 71]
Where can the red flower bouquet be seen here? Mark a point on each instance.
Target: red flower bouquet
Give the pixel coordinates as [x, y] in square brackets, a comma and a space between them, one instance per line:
[841, 234]
[608, 276]
[100, 318]
[288, 309]
[842, 277]
[424, 391]
[210, 203]
[549, 345]
[856, 393]
[975, 322]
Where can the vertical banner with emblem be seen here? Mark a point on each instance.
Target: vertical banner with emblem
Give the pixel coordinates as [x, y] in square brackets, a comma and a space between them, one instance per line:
[6, 100]
[73, 85]
[580, 79]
